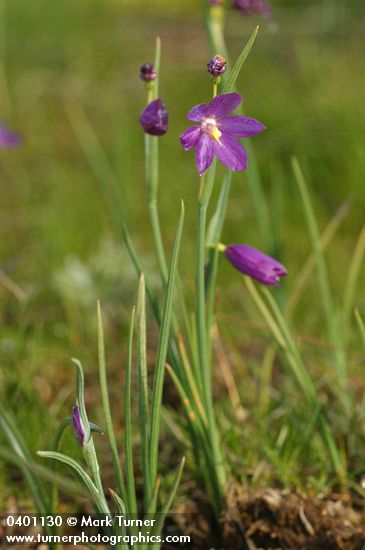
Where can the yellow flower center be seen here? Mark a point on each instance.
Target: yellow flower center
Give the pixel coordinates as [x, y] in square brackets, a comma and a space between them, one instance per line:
[209, 126]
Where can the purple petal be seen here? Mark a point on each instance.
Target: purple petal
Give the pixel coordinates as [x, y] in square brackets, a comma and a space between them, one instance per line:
[255, 264]
[230, 152]
[223, 105]
[154, 119]
[8, 139]
[204, 153]
[78, 426]
[190, 137]
[198, 112]
[240, 126]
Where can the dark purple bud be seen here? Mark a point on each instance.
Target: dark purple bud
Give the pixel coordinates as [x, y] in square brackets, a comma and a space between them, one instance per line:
[148, 72]
[154, 119]
[8, 139]
[215, 2]
[217, 65]
[255, 264]
[78, 426]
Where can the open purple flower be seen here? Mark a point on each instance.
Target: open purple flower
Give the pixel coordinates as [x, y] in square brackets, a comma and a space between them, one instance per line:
[154, 119]
[78, 426]
[8, 139]
[218, 133]
[255, 264]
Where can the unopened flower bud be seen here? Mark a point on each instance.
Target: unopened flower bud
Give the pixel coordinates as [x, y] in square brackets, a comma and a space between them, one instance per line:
[148, 72]
[215, 2]
[154, 119]
[217, 66]
[78, 427]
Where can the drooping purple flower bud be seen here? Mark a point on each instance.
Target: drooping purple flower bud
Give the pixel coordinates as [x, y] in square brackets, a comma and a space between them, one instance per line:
[148, 72]
[255, 264]
[78, 426]
[215, 2]
[217, 66]
[8, 139]
[154, 119]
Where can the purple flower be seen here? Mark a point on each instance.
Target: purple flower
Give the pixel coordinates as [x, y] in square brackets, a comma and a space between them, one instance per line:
[254, 263]
[147, 72]
[8, 139]
[78, 426]
[217, 65]
[215, 2]
[218, 133]
[247, 7]
[154, 119]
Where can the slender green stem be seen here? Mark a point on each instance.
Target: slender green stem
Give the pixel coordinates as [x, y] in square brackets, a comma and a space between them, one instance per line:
[201, 326]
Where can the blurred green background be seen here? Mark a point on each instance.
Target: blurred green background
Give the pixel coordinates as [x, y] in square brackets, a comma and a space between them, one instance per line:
[69, 83]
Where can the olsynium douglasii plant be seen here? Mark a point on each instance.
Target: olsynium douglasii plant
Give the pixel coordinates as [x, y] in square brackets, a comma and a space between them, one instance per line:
[185, 341]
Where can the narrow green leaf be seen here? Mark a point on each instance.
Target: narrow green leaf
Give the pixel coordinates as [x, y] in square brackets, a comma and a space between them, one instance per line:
[18, 445]
[131, 490]
[144, 421]
[138, 268]
[170, 498]
[162, 352]
[361, 325]
[353, 276]
[153, 502]
[42, 473]
[106, 405]
[121, 531]
[81, 475]
[303, 278]
[334, 333]
[230, 83]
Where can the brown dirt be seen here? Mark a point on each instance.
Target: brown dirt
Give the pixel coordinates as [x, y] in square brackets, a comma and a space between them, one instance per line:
[276, 519]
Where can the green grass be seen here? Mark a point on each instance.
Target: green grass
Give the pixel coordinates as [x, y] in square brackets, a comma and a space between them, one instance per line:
[68, 66]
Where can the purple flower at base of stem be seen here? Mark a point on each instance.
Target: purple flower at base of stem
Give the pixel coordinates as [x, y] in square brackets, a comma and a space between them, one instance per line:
[154, 119]
[255, 264]
[218, 133]
[8, 139]
[78, 426]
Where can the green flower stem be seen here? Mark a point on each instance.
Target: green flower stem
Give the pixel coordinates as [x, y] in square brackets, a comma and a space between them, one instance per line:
[201, 325]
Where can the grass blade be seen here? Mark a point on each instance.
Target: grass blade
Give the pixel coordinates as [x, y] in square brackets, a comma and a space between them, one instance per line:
[131, 490]
[162, 352]
[334, 334]
[106, 405]
[19, 447]
[231, 81]
[353, 277]
[81, 475]
[42, 472]
[144, 422]
[166, 507]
